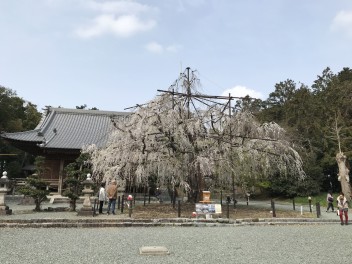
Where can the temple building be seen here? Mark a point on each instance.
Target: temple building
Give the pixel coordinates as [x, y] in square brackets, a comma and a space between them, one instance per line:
[60, 136]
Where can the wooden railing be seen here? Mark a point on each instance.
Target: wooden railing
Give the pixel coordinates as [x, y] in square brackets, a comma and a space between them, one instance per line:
[20, 182]
[52, 183]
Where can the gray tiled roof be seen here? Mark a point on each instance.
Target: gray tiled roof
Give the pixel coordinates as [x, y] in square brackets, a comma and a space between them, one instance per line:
[74, 128]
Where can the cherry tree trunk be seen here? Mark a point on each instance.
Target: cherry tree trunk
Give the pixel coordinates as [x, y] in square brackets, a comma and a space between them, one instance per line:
[343, 175]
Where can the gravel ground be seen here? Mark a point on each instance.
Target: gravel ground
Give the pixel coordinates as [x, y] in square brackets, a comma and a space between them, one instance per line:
[245, 244]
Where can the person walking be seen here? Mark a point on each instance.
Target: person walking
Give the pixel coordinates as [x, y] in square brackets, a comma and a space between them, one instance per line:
[342, 205]
[112, 196]
[158, 195]
[330, 201]
[101, 197]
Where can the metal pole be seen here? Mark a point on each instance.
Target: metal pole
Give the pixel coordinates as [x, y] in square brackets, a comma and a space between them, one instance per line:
[232, 174]
[188, 93]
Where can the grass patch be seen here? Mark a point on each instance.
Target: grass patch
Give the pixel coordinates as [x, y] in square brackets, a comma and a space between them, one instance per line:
[166, 210]
[321, 198]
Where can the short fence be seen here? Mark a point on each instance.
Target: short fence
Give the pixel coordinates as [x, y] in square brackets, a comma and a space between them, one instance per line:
[165, 196]
[225, 202]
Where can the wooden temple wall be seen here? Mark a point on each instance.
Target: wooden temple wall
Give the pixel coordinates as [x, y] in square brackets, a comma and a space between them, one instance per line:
[54, 174]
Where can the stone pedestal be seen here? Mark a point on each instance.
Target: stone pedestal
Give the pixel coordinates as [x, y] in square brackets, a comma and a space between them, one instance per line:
[4, 210]
[87, 209]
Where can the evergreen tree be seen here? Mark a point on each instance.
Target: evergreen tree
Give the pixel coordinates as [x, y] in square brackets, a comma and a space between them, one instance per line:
[76, 172]
[15, 115]
[35, 187]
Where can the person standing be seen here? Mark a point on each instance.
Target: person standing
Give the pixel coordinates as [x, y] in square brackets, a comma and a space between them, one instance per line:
[101, 197]
[330, 201]
[342, 205]
[112, 196]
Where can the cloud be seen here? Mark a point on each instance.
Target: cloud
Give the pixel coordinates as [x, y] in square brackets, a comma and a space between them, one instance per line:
[122, 18]
[242, 91]
[342, 22]
[184, 5]
[155, 47]
[123, 26]
[173, 48]
[120, 7]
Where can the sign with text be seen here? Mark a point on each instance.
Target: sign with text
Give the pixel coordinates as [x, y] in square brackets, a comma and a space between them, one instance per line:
[208, 208]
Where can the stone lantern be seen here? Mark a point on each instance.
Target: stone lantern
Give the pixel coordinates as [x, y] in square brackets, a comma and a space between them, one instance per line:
[4, 181]
[87, 209]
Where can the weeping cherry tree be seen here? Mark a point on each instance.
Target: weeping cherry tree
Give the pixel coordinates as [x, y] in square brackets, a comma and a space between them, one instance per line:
[184, 136]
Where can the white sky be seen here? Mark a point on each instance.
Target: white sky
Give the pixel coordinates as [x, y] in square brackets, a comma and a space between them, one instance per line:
[118, 53]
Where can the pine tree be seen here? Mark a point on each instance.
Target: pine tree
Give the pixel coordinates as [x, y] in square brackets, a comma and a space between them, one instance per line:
[35, 186]
[76, 172]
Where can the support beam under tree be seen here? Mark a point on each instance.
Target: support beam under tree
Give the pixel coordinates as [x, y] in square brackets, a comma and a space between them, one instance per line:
[343, 175]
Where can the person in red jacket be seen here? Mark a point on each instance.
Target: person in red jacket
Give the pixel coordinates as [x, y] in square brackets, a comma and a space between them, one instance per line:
[342, 204]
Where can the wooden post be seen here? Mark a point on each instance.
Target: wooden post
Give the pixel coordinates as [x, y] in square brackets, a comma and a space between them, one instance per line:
[149, 197]
[61, 172]
[273, 207]
[130, 208]
[228, 201]
[228, 210]
[174, 198]
[318, 209]
[179, 208]
[134, 195]
[122, 203]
